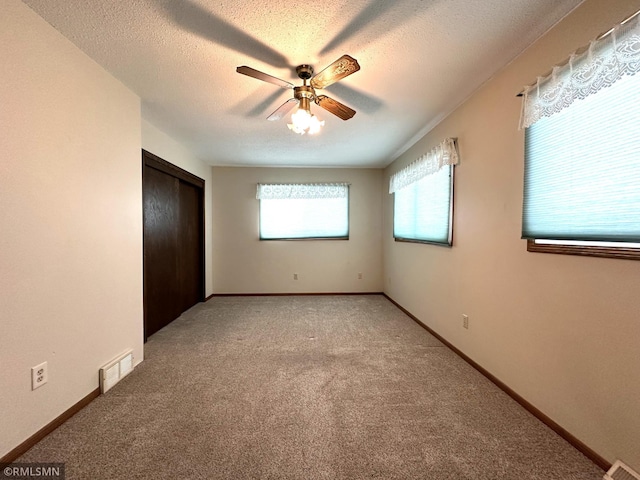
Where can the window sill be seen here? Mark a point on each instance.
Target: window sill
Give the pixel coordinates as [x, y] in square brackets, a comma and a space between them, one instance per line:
[427, 242]
[585, 251]
[301, 239]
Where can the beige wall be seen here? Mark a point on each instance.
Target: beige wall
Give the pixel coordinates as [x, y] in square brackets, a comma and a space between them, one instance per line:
[159, 143]
[244, 264]
[71, 222]
[562, 331]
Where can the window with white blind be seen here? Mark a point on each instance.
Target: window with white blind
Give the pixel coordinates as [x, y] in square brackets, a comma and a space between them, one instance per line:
[304, 211]
[582, 152]
[423, 197]
[422, 211]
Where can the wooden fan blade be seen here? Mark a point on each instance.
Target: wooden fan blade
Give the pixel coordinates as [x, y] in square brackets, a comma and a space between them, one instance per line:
[339, 69]
[335, 107]
[282, 110]
[252, 72]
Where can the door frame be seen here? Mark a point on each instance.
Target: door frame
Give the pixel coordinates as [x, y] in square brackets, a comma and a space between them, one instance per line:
[149, 160]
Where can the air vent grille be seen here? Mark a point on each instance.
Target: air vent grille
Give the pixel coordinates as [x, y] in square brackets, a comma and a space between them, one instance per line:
[620, 471]
[116, 370]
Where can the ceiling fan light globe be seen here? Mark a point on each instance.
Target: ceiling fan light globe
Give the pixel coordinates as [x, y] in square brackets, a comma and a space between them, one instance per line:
[301, 119]
[295, 129]
[315, 125]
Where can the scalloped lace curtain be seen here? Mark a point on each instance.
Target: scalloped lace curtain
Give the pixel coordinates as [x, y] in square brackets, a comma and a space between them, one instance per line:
[431, 162]
[605, 62]
[302, 191]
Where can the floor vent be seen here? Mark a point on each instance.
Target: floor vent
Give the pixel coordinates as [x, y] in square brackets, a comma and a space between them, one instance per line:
[116, 370]
[619, 471]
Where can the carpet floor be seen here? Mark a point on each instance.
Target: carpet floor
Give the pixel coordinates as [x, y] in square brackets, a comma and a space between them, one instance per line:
[306, 387]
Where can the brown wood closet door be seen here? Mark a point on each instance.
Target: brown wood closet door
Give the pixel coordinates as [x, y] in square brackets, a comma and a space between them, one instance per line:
[173, 243]
[191, 272]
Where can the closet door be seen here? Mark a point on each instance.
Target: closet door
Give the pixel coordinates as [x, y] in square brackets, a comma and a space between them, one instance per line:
[190, 246]
[173, 233]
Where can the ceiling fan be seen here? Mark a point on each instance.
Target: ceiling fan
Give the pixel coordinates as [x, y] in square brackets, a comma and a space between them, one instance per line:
[303, 120]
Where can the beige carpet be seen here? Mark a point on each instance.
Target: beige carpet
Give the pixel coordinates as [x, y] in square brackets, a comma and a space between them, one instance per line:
[321, 387]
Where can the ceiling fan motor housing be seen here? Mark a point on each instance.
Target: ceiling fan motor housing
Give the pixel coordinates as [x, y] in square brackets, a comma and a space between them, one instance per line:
[305, 72]
[306, 94]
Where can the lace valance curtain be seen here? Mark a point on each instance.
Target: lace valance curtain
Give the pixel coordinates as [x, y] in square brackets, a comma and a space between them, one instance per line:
[601, 65]
[280, 191]
[429, 163]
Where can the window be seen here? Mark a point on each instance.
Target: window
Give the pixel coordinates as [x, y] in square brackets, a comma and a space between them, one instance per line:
[422, 211]
[423, 202]
[304, 211]
[582, 152]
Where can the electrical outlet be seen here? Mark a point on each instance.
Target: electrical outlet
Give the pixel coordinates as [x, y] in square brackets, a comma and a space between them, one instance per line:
[465, 320]
[295, 276]
[360, 276]
[39, 375]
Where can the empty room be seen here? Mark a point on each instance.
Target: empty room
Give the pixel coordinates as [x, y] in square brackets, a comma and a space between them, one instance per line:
[320, 240]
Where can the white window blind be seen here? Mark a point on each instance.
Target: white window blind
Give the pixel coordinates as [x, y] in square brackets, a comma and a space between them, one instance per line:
[303, 211]
[423, 202]
[582, 145]
[422, 210]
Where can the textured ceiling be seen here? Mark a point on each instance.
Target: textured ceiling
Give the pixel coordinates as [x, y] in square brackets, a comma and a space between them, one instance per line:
[419, 59]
